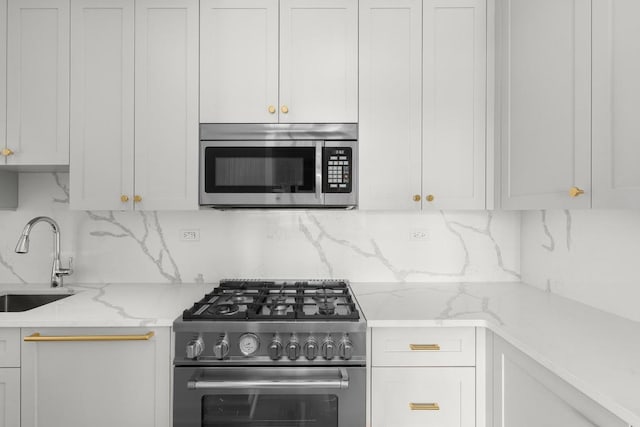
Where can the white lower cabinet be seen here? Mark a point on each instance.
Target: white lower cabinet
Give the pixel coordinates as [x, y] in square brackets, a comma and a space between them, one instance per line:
[528, 395]
[412, 397]
[120, 377]
[423, 377]
[9, 377]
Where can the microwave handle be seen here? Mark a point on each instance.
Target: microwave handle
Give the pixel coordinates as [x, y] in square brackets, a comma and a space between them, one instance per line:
[341, 383]
[319, 164]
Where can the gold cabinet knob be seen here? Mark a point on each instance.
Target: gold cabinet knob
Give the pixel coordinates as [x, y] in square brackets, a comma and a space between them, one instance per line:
[416, 198]
[284, 109]
[272, 109]
[429, 197]
[137, 198]
[575, 191]
[6, 152]
[124, 198]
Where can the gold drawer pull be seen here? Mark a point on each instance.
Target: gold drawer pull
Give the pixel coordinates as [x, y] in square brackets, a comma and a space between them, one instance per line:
[424, 347]
[575, 191]
[39, 338]
[424, 406]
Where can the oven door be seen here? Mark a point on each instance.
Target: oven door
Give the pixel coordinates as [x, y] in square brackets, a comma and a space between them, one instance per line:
[269, 397]
[261, 173]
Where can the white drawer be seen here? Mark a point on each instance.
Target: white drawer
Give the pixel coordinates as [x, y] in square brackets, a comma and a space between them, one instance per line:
[419, 397]
[423, 347]
[9, 347]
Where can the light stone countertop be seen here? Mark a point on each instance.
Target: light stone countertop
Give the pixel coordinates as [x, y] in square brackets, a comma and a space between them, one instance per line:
[106, 305]
[596, 352]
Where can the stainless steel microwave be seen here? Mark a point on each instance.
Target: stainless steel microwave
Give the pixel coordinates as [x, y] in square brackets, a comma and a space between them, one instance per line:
[279, 165]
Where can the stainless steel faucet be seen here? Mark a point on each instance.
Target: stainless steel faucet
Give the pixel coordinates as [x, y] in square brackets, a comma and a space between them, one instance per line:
[57, 272]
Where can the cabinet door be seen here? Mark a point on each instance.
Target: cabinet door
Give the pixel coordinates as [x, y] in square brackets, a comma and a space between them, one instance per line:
[454, 104]
[96, 383]
[101, 164]
[239, 61]
[616, 95]
[38, 82]
[545, 75]
[528, 395]
[3, 80]
[9, 397]
[390, 104]
[166, 104]
[318, 61]
[416, 397]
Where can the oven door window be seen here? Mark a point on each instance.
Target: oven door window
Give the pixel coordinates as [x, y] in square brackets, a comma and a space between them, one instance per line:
[260, 170]
[270, 410]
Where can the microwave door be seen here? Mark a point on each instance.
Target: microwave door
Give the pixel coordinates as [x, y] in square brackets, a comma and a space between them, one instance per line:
[261, 173]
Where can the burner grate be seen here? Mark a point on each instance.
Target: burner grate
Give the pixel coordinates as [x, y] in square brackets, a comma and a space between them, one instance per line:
[270, 300]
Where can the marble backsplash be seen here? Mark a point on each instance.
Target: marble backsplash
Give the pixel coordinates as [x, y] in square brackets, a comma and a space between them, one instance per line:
[120, 247]
[591, 256]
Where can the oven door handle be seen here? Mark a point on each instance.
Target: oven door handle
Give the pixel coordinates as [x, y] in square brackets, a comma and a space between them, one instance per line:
[341, 383]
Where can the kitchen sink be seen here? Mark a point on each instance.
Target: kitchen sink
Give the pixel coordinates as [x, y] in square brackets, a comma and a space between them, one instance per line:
[24, 302]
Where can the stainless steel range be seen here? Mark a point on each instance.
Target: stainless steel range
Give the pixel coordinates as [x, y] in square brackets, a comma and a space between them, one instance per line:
[271, 353]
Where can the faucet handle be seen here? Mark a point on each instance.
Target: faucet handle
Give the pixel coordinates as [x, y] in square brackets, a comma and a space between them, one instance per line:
[65, 271]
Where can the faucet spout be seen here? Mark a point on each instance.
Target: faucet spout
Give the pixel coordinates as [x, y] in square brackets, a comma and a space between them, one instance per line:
[57, 272]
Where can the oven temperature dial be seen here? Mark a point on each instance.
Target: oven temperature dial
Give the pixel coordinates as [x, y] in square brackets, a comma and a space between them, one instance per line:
[221, 348]
[249, 344]
[293, 348]
[345, 348]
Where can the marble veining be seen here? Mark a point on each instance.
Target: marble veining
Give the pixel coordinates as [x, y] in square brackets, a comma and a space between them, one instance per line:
[123, 247]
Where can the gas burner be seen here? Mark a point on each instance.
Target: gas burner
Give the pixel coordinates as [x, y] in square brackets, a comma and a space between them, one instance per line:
[324, 295]
[278, 305]
[326, 308]
[224, 309]
[239, 297]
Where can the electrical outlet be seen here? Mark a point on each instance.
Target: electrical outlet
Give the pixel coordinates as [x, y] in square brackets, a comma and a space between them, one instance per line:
[190, 235]
[418, 235]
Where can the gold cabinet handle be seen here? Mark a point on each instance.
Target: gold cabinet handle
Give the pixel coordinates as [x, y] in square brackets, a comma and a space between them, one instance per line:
[575, 191]
[137, 198]
[124, 198]
[429, 197]
[272, 109]
[284, 109]
[424, 347]
[50, 338]
[6, 152]
[424, 406]
[416, 197]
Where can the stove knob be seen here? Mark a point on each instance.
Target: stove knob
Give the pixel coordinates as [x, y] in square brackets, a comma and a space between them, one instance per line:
[275, 349]
[221, 349]
[195, 348]
[293, 349]
[328, 348]
[345, 348]
[311, 348]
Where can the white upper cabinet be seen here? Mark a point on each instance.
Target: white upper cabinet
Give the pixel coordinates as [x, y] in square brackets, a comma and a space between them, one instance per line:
[101, 166]
[318, 61]
[3, 81]
[545, 76]
[390, 136]
[239, 61]
[108, 171]
[166, 104]
[422, 104]
[616, 96]
[37, 83]
[454, 104]
[287, 61]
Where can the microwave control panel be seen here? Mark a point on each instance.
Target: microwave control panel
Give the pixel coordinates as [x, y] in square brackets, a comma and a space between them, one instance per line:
[337, 168]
